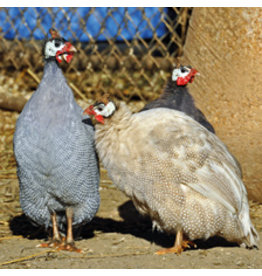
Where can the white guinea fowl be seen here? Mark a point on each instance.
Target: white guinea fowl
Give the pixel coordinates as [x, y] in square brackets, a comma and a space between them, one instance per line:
[175, 171]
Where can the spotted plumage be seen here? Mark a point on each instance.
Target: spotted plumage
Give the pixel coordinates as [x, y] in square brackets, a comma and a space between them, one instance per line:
[175, 171]
[57, 164]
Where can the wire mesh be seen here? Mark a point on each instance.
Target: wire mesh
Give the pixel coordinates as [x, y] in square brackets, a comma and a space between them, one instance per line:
[127, 52]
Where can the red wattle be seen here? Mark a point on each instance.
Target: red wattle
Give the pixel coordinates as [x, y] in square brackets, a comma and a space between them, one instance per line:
[69, 58]
[58, 58]
[183, 80]
[100, 119]
[69, 49]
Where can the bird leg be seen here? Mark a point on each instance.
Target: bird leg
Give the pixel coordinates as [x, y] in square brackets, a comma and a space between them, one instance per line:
[69, 244]
[56, 240]
[179, 246]
[56, 235]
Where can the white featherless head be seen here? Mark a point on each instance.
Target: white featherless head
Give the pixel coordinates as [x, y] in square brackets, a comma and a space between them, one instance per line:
[182, 71]
[105, 110]
[52, 46]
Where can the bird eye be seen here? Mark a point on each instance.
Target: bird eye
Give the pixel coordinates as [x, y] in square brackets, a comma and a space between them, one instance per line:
[100, 107]
[183, 70]
[57, 43]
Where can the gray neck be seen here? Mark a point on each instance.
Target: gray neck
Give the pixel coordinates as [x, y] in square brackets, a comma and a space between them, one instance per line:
[51, 68]
[53, 89]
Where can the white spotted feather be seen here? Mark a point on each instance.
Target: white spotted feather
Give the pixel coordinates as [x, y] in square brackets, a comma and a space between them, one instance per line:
[177, 172]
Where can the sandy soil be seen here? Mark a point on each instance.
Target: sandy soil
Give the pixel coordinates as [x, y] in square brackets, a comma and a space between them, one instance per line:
[118, 237]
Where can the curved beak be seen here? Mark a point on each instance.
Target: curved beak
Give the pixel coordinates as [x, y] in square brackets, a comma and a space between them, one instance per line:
[69, 48]
[192, 74]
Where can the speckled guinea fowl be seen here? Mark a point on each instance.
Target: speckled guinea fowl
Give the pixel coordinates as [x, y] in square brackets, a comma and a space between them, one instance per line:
[175, 171]
[56, 160]
[176, 96]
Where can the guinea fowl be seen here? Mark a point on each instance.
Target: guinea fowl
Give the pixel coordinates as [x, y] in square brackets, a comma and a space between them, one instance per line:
[176, 96]
[57, 166]
[175, 171]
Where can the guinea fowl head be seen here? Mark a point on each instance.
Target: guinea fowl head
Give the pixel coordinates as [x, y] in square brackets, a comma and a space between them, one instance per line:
[102, 108]
[184, 74]
[57, 48]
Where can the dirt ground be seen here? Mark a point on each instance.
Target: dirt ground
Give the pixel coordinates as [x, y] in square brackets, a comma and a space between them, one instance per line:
[118, 237]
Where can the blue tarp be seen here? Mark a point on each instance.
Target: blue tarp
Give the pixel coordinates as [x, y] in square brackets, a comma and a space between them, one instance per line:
[23, 23]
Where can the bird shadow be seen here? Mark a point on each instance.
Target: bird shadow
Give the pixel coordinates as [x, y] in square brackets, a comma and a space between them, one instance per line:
[141, 227]
[22, 226]
[133, 223]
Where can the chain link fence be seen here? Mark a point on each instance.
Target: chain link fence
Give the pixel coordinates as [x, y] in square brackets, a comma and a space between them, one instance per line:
[128, 52]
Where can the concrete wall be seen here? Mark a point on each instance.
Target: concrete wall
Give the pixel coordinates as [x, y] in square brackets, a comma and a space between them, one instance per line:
[225, 45]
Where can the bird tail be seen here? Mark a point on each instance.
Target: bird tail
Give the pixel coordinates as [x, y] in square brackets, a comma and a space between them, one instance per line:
[250, 234]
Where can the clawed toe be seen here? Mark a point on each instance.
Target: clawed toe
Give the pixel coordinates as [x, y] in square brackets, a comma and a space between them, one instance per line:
[177, 250]
[62, 245]
[70, 247]
[51, 244]
[188, 244]
[180, 245]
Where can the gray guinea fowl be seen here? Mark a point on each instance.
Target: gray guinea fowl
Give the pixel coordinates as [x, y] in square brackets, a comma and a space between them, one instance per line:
[57, 166]
[176, 96]
[175, 171]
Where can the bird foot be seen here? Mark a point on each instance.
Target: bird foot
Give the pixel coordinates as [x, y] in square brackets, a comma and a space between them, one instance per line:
[188, 244]
[69, 247]
[60, 245]
[51, 244]
[177, 249]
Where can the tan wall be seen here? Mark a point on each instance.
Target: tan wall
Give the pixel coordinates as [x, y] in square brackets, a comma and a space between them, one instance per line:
[225, 45]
